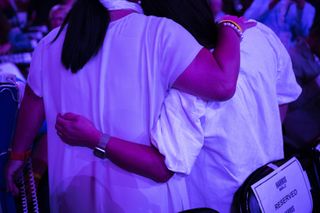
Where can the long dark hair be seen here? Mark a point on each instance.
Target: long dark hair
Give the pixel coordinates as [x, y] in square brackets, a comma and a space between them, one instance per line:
[194, 15]
[87, 24]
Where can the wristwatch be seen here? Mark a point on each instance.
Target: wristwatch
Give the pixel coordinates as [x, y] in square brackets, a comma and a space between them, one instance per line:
[100, 150]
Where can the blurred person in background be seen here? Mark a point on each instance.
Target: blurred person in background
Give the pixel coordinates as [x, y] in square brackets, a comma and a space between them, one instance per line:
[230, 7]
[39, 11]
[8, 8]
[5, 28]
[69, 2]
[57, 14]
[302, 124]
[289, 19]
[12, 40]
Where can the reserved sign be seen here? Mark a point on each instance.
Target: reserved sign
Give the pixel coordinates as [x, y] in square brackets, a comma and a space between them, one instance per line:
[286, 189]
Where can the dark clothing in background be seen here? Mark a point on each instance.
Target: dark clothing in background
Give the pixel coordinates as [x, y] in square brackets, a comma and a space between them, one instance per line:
[41, 9]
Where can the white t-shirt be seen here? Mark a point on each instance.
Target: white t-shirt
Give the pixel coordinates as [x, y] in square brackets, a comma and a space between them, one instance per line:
[121, 91]
[221, 143]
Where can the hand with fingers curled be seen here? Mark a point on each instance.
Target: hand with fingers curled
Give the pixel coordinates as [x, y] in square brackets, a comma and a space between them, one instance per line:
[12, 172]
[76, 130]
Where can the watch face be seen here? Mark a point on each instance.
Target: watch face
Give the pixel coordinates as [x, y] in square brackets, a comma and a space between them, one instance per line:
[100, 153]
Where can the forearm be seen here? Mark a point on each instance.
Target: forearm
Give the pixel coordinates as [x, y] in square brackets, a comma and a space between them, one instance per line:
[227, 55]
[30, 118]
[283, 108]
[40, 156]
[144, 160]
[140, 159]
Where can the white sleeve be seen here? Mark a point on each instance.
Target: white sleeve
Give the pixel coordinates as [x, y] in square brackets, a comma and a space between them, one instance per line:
[178, 134]
[35, 72]
[178, 50]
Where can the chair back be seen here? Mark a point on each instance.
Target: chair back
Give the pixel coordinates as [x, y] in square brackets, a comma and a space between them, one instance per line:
[9, 101]
[280, 185]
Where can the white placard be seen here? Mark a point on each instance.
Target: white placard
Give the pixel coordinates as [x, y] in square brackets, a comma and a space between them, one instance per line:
[286, 190]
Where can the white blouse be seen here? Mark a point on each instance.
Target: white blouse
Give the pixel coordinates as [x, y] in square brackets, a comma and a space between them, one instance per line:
[121, 91]
[220, 143]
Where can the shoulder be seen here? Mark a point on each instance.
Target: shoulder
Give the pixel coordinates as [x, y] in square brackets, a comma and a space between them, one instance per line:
[49, 38]
[264, 29]
[256, 35]
[163, 24]
[259, 30]
[267, 33]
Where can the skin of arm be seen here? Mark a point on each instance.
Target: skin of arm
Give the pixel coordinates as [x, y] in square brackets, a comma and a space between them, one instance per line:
[140, 159]
[283, 111]
[30, 118]
[213, 76]
[40, 158]
[144, 160]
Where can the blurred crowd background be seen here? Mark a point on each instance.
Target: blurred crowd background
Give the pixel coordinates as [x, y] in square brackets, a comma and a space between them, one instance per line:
[23, 23]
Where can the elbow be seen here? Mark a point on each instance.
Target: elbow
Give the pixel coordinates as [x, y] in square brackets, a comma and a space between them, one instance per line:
[163, 176]
[222, 93]
[159, 170]
[227, 93]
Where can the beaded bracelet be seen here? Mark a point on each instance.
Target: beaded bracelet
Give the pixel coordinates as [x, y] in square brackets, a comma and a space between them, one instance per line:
[234, 26]
[233, 22]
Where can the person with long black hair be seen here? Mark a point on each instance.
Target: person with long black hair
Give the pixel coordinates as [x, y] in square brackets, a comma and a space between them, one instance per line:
[221, 143]
[114, 66]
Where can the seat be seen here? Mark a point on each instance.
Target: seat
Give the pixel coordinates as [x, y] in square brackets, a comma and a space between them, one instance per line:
[199, 210]
[245, 200]
[9, 100]
[309, 157]
[315, 183]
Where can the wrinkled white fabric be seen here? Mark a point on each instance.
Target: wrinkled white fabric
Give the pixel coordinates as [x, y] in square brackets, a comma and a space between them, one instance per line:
[186, 145]
[240, 134]
[121, 91]
[120, 5]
